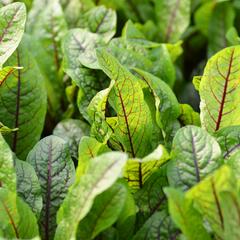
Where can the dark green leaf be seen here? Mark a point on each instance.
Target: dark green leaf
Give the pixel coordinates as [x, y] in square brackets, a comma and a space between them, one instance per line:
[55, 170]
[24, 106]
[195, 154]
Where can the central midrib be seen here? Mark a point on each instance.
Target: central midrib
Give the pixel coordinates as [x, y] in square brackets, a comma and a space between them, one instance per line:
[224, 93]
[126, 120]
[48, 192]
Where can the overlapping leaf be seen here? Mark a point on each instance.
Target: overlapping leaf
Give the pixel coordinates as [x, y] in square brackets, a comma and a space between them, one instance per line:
[88, 81]
[71, 130]
[88, 148]
[5, 72]
[48, 29]
[104, 212]
[159, 224]
[102, 172]
[100, 20]
[166, 104]
[55, 170]
[137, 171]
[195, 154]
[12, 24]
[188, 116]
[219, 90]
[7, 172]
[151, 197]
[17, 220]
[173, 18]
[74, 10]
[207, 197]
[96, 112]
[229, 140]
[166, 101]
[28, 186]
[126, 97]
[222, 19]
[185, 216]
[23, 101]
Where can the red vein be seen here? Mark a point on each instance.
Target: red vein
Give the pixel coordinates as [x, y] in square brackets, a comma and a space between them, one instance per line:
[8, 26]
[224, 93]
[6, 76]
[11, 220]
[126, 121]
[48, 192]
[217, 205]
[172, 18]
[101, 22]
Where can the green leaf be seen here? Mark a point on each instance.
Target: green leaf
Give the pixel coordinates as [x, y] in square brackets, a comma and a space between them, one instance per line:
[202, 16]
[159, 224]
[17, 220]
[72, 130]
[132, 34]
[188, 116]
[104, 212]
[221, 21]
[232, 36]
[48, 29]
[231, 204]
[126, 221]
[7, 171]
[101, 174]
[12, 22]
[55, 170]
[5, 72]
[219, 90]
[175, 50]
[137, 10]
[28, 186]
[97, 108]
[151, 197]
[195, 154]
[166, 102]
[128, 52]
[208, 201]
[88, 148]
[173, 18]
[87, 80]
[75, 10]
[229, 140]
[100, 20]
[234, 163]
[24, 107]
[126, 98]
[83, 43]
[163, 67]
[196, 82]
[137, 171]
[185, 216]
